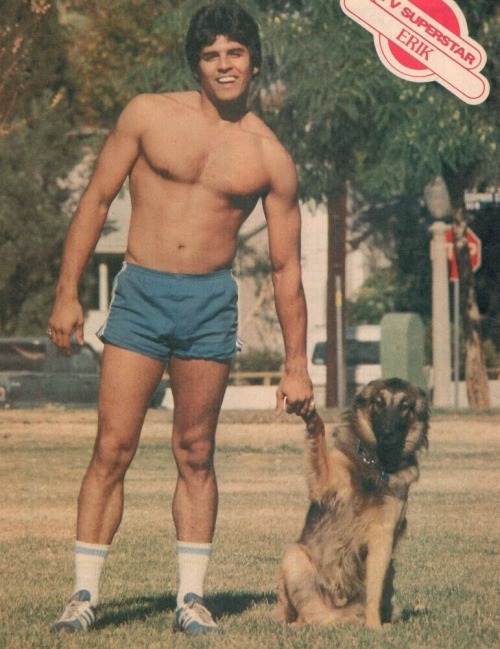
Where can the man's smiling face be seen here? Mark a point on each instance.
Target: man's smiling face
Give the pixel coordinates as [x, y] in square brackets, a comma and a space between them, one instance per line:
[225, 70]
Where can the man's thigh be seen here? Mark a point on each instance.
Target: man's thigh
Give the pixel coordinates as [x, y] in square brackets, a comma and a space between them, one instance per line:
[127, 384]
[198, 388]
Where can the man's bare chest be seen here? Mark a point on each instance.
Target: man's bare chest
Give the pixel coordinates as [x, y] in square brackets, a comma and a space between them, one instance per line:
[222, 163]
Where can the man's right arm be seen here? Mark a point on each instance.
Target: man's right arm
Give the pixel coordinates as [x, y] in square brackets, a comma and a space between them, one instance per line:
[117, 157]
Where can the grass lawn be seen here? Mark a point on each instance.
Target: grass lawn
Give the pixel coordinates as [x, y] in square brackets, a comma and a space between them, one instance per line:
[447, 565]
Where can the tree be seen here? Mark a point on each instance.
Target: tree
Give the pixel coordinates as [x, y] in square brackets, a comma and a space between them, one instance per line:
[31, 57]
[347, 118]
[124, 47]
[344, 117]
[441, 136]
[331, 101]
[35, 153]
[400, 229]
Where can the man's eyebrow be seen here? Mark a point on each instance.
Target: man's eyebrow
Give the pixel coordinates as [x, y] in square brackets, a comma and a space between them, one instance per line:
[236, 48]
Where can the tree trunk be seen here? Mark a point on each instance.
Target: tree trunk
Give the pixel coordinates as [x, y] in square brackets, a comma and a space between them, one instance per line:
[476, 377]
[335, 291]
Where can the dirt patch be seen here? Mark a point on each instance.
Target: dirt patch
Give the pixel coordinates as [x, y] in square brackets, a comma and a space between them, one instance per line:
[236, 428]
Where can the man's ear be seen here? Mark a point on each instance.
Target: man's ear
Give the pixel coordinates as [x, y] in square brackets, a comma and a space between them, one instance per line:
[255, 71]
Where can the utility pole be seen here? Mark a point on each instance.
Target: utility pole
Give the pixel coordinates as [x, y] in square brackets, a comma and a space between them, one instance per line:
[439, 205]
[441, 337]
[335, 321]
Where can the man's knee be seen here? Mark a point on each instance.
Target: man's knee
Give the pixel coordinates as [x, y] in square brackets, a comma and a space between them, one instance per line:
[193, 451]
[111, 458]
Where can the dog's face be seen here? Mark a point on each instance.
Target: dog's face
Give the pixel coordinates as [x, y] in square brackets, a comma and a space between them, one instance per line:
[392, 417]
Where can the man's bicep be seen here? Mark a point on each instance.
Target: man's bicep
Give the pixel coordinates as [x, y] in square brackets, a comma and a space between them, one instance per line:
[117, 156]
[283, 224]
[281, 207]
[114, 164]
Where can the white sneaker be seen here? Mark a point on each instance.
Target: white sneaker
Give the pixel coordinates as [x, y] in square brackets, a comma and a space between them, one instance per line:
[79, 615]
[194, 618]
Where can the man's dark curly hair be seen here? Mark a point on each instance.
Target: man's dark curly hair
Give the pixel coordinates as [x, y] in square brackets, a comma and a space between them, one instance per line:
[222, 19]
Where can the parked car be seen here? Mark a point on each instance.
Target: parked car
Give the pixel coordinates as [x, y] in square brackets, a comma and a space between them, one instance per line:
[362, 358]
[33, 371]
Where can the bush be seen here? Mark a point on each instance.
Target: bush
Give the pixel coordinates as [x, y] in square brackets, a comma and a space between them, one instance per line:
[259, 359]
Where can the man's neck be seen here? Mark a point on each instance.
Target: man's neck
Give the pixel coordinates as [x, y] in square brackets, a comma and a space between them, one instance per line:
[231, 111]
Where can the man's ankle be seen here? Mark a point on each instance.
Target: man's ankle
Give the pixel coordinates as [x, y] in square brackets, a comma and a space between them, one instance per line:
[193, 561]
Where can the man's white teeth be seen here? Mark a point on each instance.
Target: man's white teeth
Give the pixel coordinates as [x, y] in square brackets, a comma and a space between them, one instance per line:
[226, 79]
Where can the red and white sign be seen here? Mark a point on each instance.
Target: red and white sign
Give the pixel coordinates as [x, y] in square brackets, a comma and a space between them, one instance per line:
[474, 251]
[425, 40]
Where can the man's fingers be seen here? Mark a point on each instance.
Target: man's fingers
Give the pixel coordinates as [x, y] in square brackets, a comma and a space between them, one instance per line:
[63, 341]
[294, 406]
[301, 403]
[308, 407]
[79, 334]
[300, 407]
[280, 398]
[60, 339]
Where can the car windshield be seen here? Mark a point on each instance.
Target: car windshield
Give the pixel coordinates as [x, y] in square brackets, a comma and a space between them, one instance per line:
[18, 356]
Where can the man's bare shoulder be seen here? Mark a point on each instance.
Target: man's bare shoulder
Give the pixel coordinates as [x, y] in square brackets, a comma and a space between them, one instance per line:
[146, 102]
[272, 149]
[142, 112]
[274, 158]
[254, 125]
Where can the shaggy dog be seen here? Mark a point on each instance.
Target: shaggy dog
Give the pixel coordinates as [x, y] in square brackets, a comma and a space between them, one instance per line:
[340, 570]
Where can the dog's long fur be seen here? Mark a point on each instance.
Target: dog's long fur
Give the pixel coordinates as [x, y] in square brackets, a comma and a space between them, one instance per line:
[341, 569]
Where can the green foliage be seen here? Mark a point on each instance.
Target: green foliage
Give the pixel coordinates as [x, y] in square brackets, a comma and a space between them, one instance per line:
[486, 224]
[437, 135]
[492, 354]
[35, 153]
[32, 57]
[322, 88]
[128, 47]
[400, 229]
[376, 297]
[335, 96]
[33, 157]
[344, 116]
[123, 48]
[259, 359]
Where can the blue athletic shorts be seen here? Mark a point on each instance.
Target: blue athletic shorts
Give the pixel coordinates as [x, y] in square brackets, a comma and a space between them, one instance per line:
[161, 314]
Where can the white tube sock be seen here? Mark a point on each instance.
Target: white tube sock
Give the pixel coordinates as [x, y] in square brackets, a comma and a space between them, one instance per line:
[89, 562]
[193, 561]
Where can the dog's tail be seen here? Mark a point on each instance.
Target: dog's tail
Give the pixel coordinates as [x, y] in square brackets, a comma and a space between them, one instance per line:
[318, 474]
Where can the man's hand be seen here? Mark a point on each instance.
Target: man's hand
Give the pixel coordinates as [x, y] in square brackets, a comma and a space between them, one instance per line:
[66, 317]
[295, 393]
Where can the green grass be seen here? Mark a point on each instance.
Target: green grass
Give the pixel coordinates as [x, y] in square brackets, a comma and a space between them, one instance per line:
[447, 565]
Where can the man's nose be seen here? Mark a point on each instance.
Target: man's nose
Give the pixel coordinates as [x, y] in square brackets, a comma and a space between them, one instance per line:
[224, 63]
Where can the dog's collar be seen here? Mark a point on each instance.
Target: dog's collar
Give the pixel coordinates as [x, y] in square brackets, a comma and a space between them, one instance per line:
[369, 460]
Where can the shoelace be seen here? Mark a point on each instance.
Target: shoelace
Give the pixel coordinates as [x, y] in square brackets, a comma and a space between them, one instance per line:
[195, 610]
[74, 609]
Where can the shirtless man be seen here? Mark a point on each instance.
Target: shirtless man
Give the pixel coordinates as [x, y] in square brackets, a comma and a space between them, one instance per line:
[197, 163]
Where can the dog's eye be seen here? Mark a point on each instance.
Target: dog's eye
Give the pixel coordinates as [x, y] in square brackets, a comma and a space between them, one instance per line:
[405, 407]
[379, 402]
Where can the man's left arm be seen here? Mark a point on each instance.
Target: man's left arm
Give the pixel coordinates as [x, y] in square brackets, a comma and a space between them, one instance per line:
[282, 212]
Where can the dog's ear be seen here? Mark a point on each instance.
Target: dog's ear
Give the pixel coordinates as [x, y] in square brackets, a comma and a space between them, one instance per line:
[422, 408]
[417, 437]
[365, 397]
[423, 413]
[360, 415]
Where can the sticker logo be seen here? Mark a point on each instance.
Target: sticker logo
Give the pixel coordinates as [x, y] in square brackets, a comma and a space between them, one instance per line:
[425, 40]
